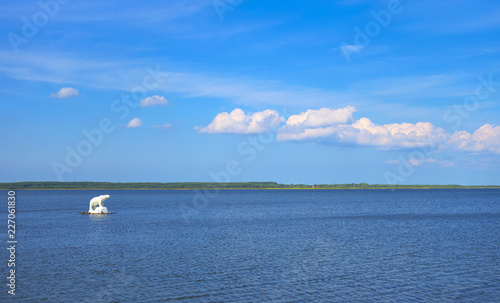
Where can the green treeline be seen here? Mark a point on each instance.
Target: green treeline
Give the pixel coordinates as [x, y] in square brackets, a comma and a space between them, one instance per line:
[208, 185]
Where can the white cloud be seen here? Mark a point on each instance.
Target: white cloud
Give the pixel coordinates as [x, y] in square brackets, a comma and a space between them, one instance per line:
[485, 139]
[336, 126]
[388, 136]
[322, 117]
[309, 123]
[163, 126]
[365, 132]
[136, 122]
[237, 122]
[153, 100]
[65, 92]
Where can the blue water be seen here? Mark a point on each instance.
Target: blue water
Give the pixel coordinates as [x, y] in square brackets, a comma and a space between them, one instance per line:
[258, 246]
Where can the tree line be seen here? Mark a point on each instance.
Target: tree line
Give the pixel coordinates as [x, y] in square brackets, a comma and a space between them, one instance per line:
[214, 185]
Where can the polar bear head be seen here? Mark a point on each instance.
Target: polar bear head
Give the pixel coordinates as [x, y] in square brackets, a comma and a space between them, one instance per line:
[104, 197]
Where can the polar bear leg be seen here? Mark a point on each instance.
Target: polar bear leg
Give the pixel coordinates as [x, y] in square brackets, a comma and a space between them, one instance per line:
[94, 203]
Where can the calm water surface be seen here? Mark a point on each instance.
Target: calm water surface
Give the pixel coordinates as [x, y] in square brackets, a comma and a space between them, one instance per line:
[259, 246]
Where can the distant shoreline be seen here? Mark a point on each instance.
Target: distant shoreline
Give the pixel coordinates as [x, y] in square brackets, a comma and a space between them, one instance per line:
[216, 186]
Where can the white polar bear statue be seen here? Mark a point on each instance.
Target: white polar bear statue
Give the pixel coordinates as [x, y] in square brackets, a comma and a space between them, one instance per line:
[96, 206]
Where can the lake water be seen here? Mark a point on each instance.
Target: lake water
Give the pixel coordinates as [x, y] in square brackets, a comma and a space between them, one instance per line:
[258, 246]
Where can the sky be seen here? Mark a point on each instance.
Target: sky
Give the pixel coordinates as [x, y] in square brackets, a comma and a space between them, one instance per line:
[314, 92]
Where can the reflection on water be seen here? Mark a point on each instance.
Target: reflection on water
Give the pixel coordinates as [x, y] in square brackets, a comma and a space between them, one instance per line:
[97, 226]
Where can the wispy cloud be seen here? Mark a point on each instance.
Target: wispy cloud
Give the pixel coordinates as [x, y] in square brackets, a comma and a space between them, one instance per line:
[413, 161]
[468, 17]
[348, 49]
[164, 126]
[59, 68]
[138, 13]
[447, 164]
[395, 162]
[124, 75]
[438, 85]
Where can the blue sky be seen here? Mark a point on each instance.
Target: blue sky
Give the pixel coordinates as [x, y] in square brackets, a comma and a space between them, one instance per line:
[402, 92]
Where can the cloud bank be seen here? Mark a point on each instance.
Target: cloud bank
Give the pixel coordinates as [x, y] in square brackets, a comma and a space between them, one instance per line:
[337, 126]
[365, 132]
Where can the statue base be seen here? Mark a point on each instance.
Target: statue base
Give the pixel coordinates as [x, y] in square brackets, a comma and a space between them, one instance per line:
[99, 210]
